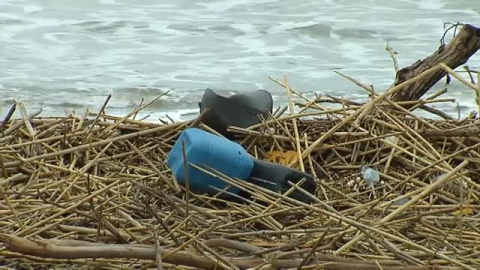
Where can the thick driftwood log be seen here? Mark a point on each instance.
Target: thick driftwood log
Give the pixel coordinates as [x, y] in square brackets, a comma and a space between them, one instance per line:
[72, 249]
[454, 54]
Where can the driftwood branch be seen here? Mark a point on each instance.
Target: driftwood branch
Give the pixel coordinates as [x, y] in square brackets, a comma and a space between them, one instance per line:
[454, 54]
[72, 249]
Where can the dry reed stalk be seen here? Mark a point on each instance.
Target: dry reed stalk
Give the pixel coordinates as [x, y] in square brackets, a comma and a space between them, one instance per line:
[414, 103]
[18, 124]
[294, 121]
[97, 118]
[458, 77]
[284, 84]
[108, 129]
[25, 119]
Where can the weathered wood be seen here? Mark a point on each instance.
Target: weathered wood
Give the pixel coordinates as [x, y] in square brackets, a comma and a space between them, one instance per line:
[454, 54]
[73, 249]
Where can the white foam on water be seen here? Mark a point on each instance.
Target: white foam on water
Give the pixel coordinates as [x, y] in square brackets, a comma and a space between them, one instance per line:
[431, 4]
[222, 6]
[107, 1]
[32, 9]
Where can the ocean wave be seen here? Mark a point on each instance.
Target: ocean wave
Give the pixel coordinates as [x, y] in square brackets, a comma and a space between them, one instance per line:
[61, 55]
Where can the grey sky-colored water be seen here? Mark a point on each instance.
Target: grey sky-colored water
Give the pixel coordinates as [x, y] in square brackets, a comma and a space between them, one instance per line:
[69, 55]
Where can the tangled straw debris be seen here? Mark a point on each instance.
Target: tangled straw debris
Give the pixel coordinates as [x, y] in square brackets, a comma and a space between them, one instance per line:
[95, 191]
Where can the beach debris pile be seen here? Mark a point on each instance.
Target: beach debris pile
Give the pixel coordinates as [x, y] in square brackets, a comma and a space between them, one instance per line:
[96, 191]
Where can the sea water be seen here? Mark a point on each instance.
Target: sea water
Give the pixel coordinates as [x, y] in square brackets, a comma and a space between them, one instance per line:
[67, 56]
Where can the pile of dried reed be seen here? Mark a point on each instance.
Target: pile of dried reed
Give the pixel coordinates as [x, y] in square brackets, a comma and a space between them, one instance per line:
[95, 191]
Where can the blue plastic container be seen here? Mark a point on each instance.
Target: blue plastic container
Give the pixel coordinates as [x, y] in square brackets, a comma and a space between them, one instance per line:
[203, 148]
